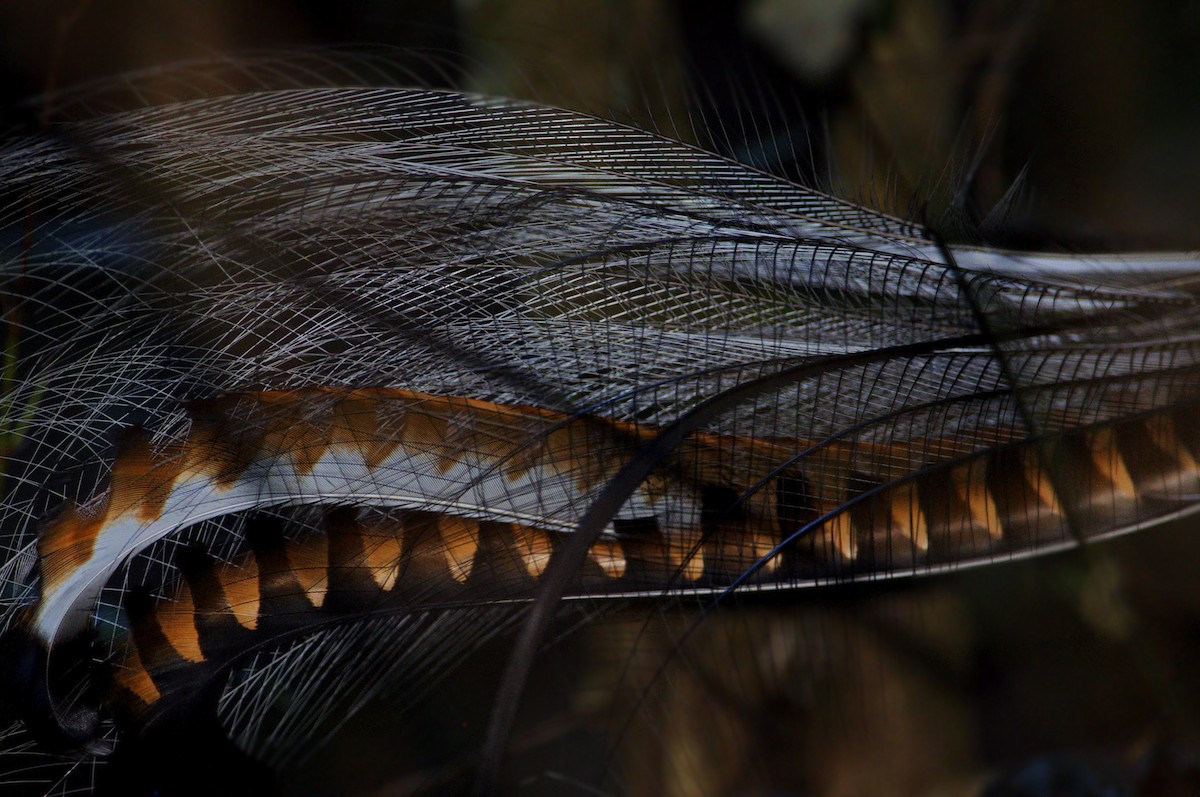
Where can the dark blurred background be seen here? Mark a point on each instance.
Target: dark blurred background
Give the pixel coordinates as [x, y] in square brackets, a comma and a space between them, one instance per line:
[1069, 124]
[1033, 122]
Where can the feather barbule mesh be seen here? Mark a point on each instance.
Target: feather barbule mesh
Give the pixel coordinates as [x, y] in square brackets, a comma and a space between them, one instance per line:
[510, 271]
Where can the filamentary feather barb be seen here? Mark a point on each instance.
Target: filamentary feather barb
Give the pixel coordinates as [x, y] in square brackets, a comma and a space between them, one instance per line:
[291, 362]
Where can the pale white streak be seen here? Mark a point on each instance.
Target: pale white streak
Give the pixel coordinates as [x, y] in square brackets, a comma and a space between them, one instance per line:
[543, 496]
[355, 237]
[1134, 268]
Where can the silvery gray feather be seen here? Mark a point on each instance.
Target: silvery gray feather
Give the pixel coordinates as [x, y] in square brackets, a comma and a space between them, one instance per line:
[520, 256]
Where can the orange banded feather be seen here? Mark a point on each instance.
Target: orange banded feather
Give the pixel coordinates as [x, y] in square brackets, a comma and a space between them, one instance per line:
[472, 463]
[468, 263]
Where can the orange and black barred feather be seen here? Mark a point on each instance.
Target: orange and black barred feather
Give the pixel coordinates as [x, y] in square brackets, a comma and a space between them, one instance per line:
[317, 384]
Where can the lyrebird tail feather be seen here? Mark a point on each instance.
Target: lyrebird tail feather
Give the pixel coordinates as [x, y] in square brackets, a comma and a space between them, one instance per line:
[305, 372]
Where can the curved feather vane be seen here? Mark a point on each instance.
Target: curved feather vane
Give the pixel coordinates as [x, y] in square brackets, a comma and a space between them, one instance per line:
[299, 374]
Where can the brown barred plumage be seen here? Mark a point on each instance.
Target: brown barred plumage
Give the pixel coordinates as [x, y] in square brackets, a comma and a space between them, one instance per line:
[1123, 475]
[372, 356]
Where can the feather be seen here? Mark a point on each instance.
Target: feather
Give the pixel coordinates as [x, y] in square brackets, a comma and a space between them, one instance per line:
[448, 322]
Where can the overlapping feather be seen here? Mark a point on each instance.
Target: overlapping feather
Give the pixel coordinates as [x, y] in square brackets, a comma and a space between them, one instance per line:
[512, 253]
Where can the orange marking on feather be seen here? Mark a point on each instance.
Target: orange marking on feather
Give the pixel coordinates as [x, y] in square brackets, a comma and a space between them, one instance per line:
[524, 459]
[460, 541]
[133, 676]
[141, 482]
[514, 437]
[204, 456]
[292, 429]
[1037, 477]
[1162, 434]
[426, 433]
[66, 544]
[383, 559]
[309, 560]
[382, 546]
[1106, 457]
[488, 434]
[735, 549]
[970, 484]
[391, 418]
[584, 452]
[609, 555]
[534, 547]
[217, 448]
[230, 433]
[177, 621]
[905, 511]
[355, 424]
[839, 532]
[685, 553]
[239, 582]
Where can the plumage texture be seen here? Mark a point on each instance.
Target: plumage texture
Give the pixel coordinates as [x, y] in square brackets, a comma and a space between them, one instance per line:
[254, 311]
